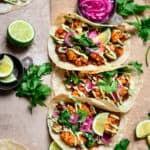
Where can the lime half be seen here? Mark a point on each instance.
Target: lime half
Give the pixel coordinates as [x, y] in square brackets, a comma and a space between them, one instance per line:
[6, 66]
[99, 123]
[20, 33]
[148, 140]
[11, 78]
[54, 146]
[143, 129]
[103, 37]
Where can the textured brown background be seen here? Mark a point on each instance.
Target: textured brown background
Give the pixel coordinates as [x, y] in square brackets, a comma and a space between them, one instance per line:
[15, 120]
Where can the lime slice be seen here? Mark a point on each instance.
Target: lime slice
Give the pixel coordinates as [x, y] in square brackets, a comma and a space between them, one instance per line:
[20, 33]
[11, 78]
[6, 66]
[103, 37]
[143, 129]
[148, 140]
[99, 123]
[54, 146]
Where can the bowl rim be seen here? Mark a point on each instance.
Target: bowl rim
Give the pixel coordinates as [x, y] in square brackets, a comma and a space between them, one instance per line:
[21, 71]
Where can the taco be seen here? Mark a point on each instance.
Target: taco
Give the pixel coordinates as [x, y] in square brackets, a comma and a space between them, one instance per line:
[116, 89]
[10, 5]
[10, 145]
[79, 45]
[75, 123]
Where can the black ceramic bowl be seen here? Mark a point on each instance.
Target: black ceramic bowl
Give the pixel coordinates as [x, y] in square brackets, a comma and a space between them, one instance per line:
[101, 22]
[18, 72]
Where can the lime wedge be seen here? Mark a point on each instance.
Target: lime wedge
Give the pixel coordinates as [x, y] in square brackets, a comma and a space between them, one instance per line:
[143, 129]
[99, 123]
[103, 37]
[11, 78]
[54, 146]
[6, 66]
[20, 33]
[148, 140]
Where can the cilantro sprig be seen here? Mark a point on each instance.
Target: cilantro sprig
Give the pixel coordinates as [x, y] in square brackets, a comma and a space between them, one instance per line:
[72, 77]
[127, 7]
[143, 28]
[90, 139]
[123, 145]
[137, 66]
[32, 87]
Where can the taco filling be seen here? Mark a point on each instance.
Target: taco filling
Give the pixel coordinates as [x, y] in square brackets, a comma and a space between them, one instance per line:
[81, 44]
[113, 86]
[77, 124]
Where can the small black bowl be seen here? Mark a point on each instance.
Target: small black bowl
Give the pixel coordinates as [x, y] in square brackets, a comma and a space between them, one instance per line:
[18, 72]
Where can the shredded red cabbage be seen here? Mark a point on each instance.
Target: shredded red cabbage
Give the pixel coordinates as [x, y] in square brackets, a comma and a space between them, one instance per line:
[87, 125]
[96, 10]
[106, 139]
[74, 119]
[55, 114]
[66, 39]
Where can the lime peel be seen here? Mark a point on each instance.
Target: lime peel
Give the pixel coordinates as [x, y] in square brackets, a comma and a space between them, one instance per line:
[6, 66]
[99, 123]
[54, 146]
[20, 33]
[143, 129]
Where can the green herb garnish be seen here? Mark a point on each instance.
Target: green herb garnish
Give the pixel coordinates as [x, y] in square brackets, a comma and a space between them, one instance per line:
[82, 115]
[143, 28]
[64, 119]
[83, 40]
[126, 8]
[148, 115]
[90, 139]
[32, 86]
[123, 145]
[137, 66]
[72, 77]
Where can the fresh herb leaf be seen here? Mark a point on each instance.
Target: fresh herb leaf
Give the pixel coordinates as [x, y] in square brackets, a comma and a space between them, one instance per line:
[72, 77]
[123, 145]
[143, 28]
[107, 87]
[127, 7]
[90, 139]
[83, 40]
[64, 119]
[82, 115]
[32, 86]
[137, 66]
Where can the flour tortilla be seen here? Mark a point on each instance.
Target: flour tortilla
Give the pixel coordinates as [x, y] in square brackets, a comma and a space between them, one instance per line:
[59, 87]
[6, 7]
[10, 145]
[69, 66]
[58, 140]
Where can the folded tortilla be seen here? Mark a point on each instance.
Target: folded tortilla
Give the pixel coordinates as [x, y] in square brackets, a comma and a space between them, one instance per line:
[10, 145]
[65, 98]
[59, 87]
[6, 7]
[69, 66]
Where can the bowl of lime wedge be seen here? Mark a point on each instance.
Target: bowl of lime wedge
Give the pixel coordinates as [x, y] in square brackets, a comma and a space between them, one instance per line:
[11, 72]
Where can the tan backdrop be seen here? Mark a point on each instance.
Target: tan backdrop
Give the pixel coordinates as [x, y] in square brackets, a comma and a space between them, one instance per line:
[15, 120]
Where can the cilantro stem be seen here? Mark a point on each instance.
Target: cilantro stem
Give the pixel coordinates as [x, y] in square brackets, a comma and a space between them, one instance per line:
[146, 56]
[137, 19]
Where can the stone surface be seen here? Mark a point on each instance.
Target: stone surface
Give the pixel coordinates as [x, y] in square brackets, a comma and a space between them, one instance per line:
[16, 122]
